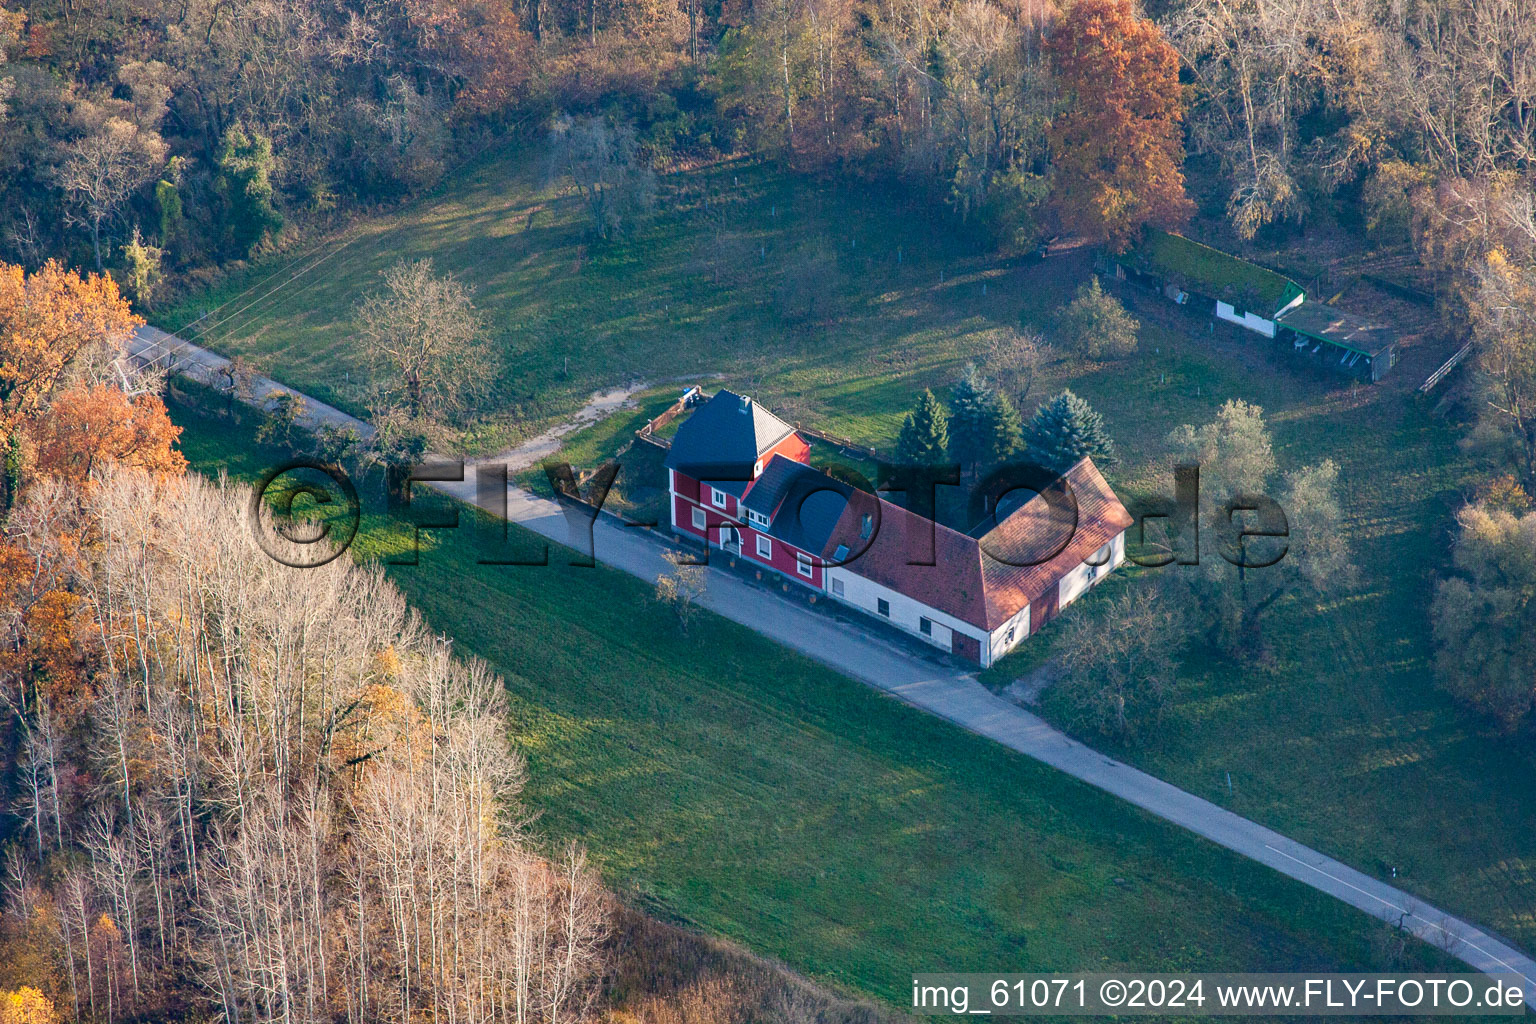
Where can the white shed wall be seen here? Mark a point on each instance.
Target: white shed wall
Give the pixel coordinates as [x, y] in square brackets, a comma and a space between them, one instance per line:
[999, 643]
[1252, 321]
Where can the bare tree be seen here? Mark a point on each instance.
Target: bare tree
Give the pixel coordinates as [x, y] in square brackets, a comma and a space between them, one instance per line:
[681, 589]
[426, 342]
[1014, 359]
[604, 161]
[105, 168]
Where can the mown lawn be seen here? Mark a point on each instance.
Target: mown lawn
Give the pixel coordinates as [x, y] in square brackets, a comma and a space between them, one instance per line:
[723, 781]
[1337, 737]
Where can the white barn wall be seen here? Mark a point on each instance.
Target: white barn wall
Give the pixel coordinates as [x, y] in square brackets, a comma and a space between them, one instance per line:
[905, 612]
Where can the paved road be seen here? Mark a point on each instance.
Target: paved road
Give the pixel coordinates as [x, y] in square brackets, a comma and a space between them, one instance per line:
[958, 697]
[154, 347]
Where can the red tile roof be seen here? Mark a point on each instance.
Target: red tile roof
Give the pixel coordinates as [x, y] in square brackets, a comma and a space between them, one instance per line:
[1039, 528]
[970, 577]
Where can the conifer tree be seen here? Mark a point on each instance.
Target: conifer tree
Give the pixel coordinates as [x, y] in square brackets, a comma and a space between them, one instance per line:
[924, 439]
[1065, 429]
[971, 418]
[1006, 433]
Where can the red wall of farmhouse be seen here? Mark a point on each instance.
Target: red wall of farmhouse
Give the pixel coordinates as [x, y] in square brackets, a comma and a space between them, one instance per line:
[792, 447]
[701, 493]
[783, 558]
[782, 554]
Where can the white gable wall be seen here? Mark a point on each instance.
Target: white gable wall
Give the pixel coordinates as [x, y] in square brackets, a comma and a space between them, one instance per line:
[1000, 642]
[1085, 575]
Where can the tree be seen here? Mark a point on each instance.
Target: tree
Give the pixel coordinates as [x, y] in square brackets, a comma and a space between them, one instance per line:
[244, 183]
[26, 1006]
[1319, 552]
[284, 409]
[239, 383]
[54, 326]
[1014, 359]
[1005, 434]
[89, 428]
[605, 163]
[681, 589]
[1065, 429]
[1503, 494]
[1097, 325]
[335, 444]
[1237, 579]
[1120, 659]
[141, 264]
[924, 439]
[105, 168]
[426, 341]
[1234, 452]
[1504, 325]
[971, 418]
[1118, 149]
[1483, 618]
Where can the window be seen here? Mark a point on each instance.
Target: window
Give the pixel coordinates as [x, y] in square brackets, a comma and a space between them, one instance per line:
[837, 586]
[764, 547]
[803, 564]
[717, 496]
[925, 627]
[1008, 639]
[700, 520]
[757, 519]
[883, 607]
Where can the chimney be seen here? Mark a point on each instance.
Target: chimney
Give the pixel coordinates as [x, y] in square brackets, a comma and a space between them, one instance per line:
[746, 403]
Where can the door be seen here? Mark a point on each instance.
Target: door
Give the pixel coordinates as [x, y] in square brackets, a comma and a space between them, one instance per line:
[1044, 610]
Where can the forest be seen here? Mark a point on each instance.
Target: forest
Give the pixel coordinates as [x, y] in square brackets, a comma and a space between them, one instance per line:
[167, 139]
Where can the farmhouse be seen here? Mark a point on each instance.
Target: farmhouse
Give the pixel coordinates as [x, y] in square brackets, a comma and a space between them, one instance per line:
[739, 481]
[1257, 299]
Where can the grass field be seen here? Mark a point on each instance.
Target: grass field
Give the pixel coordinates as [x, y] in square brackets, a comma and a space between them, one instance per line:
[1339, 739]
[723, 781]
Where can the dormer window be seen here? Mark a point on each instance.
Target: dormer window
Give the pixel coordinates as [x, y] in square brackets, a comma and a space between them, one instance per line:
[757, 519]
[717, 497]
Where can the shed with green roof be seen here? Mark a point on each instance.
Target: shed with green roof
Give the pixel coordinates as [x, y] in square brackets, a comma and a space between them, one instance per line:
[1241, 292]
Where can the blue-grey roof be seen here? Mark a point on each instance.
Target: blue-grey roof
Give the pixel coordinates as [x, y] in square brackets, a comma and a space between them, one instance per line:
[805, 503]
[770, 488]
[723, 438]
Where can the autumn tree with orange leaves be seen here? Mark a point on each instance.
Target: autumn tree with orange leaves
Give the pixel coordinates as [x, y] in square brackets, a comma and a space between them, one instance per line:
[57, 330]
[90, 427]
[54, 324]
[1118, 147]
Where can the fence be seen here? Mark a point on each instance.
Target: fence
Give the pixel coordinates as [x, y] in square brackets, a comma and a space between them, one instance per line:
[844, 445]
[647, 433]
[1446, 367]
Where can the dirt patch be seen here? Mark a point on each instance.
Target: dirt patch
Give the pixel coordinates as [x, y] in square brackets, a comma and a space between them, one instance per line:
[1028, 688]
